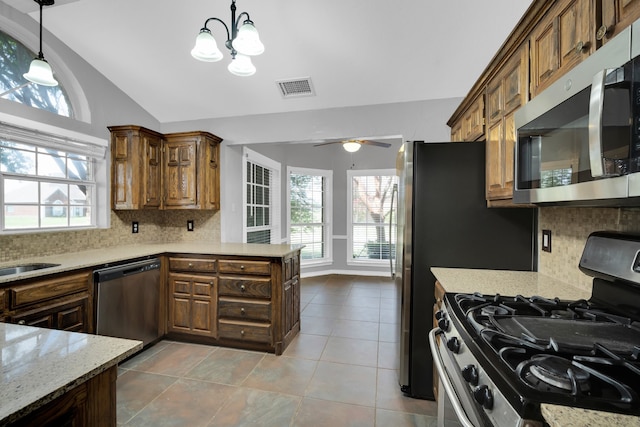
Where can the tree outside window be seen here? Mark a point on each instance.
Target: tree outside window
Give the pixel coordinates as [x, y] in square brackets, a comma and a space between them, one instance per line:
[371, 236]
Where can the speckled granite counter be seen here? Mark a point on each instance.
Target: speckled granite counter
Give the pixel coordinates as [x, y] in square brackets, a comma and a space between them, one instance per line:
[39, 365]
[76, 260]
[531, 283]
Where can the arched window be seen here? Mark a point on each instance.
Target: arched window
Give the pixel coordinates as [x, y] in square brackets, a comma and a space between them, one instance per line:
[14, 62]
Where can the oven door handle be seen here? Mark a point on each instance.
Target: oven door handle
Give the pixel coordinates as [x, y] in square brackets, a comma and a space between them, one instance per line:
[446, 382]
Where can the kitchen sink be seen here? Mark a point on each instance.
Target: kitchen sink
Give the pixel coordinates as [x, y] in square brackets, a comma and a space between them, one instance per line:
[5, 271]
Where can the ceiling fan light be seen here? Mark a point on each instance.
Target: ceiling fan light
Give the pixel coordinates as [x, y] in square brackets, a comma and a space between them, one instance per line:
[206, 48]
[242, 66]
[351, 146]
[247, 41]
[40, 73]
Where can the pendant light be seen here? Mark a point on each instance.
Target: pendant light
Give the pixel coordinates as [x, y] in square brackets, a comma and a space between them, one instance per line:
[242, 42]
[40, 70]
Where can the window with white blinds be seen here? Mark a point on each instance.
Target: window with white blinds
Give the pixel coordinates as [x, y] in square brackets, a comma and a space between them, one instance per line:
[310, 213]
[48, 182]
[261, 198]
[371, 238]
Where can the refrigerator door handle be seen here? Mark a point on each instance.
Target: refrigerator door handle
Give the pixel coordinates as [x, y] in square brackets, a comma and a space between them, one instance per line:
[394, 192]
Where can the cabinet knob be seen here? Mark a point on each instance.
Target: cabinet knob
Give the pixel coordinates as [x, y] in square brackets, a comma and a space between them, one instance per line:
[603, 32]
[242, 267]
[21, 322]
[243, 288]
[190, 265]
[242, 332]
[242, 311]
[210, 283]
[582, 46]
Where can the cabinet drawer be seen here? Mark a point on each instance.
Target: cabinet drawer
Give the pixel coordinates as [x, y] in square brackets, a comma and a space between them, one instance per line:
[244, 267]
[24, 295]
[3, 300]
[257, 287]
[192, 264]
[244, 331]
[244, 309]
[68, 315]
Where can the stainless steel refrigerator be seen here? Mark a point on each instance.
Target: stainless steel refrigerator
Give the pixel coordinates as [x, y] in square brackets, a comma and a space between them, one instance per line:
[443, 221]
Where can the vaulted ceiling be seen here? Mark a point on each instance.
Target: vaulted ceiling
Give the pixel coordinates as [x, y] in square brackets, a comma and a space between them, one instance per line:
[356, 52]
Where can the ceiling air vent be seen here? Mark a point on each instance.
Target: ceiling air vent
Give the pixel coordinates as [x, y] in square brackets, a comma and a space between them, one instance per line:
[296, 87]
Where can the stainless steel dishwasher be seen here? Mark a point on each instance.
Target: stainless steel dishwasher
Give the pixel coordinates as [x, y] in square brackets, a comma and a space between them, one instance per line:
[128, 300]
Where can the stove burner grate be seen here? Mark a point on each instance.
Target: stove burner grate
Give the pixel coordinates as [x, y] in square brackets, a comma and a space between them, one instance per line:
[559, 372]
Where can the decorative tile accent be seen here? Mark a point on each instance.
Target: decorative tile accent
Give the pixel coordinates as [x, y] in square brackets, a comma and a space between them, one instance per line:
[155, 227]
[570, 228]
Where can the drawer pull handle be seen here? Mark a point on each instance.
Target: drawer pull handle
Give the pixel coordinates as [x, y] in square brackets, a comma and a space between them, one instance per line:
[242, 332]
[242, 267]
[243, 288]
[242, 311]
[190, 265]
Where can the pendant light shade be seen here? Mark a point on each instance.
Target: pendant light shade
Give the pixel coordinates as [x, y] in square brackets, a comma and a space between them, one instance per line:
[40, 71]
[242, 66]
[206, 48]
[351, 146]
[247, 42]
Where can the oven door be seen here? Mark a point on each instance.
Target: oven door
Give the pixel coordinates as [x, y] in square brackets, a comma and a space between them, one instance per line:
[455, 405]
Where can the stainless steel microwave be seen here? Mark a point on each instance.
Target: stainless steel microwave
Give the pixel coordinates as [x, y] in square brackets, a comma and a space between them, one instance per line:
[578, 141]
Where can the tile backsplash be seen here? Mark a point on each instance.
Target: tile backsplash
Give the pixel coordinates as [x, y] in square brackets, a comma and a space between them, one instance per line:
[570, 228]
[154, 226]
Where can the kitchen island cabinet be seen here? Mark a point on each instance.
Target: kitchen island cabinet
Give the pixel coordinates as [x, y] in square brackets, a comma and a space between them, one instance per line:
[58, 378]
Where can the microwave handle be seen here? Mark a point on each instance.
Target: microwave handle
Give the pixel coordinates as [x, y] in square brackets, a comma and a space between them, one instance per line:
[596, 104]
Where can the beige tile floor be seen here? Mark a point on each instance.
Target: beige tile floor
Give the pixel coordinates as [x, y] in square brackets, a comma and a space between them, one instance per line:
[341, 370]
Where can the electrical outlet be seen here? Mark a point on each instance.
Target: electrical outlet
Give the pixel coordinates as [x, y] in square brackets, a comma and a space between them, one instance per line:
[134, 227]
[189, 225]
[546, 240]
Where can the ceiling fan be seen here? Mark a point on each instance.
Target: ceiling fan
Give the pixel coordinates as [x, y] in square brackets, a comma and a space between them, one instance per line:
[353, 145]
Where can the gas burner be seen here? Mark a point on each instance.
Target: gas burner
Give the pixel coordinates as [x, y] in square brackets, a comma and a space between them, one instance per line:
[494, 310]
[558, 372]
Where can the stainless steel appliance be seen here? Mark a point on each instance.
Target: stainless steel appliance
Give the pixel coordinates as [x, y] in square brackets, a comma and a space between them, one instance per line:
[128, 300]
[579, 140]
[499, 358]
[443, 221]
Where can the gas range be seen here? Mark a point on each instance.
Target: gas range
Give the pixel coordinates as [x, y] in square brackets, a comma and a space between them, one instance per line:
[501, 357]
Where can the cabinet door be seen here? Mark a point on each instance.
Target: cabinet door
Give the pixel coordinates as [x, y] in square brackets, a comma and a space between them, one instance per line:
[495, 161]
[456, 132]
[616, 16]
[152, 171]
[69, 315]
[560, 41]
[123, 180]
[211, 174]
[473, 122]
[180, 174]
[192, 305]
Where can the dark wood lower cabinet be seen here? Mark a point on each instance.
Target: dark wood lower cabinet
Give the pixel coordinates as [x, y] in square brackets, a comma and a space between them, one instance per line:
[92, 403]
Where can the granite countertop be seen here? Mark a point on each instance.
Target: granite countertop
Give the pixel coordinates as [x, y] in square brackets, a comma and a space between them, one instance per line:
[511, 283]
[97, 257]
[39, 365]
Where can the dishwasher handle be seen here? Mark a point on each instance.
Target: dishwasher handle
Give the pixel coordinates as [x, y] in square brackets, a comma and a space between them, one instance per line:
[112, 273]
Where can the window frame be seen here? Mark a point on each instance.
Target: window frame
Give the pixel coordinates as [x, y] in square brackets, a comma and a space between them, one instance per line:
[328, 210]
[349, 213]
[25, 131]
[254, 157]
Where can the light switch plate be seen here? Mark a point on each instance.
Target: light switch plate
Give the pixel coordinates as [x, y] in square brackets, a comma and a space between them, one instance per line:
[546, 240]
[134, 227]
[189, 225]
